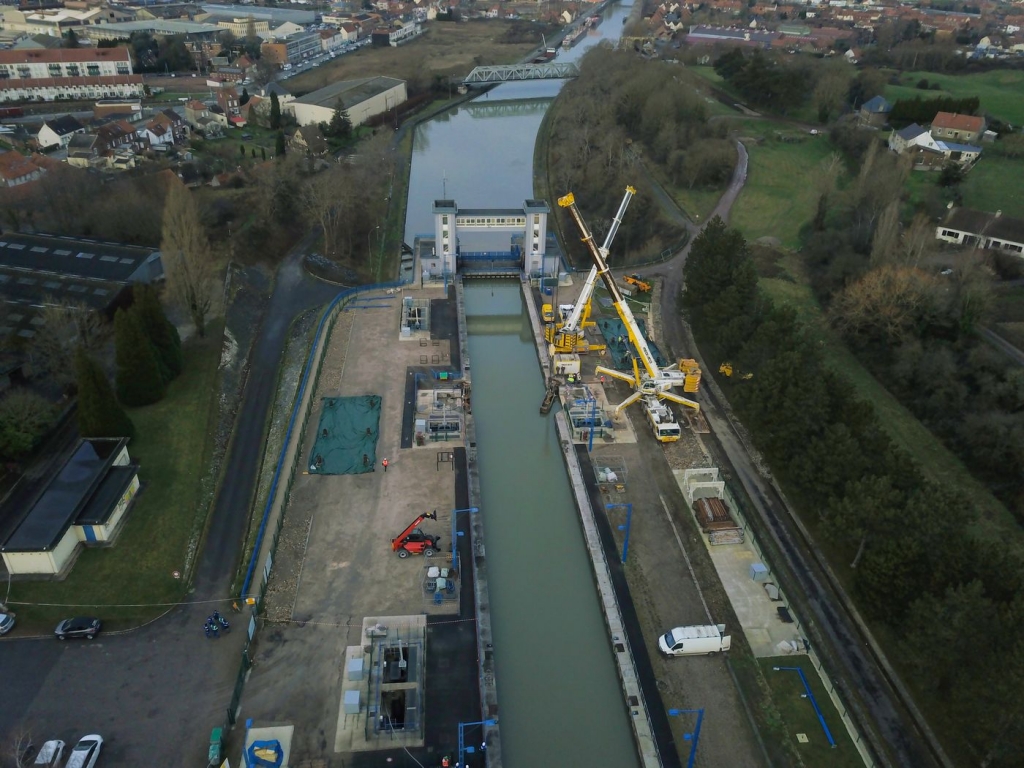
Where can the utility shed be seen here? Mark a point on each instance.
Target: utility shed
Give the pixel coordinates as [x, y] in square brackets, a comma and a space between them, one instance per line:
[84, 502]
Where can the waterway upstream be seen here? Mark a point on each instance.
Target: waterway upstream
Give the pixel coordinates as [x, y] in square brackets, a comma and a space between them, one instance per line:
[559, 696]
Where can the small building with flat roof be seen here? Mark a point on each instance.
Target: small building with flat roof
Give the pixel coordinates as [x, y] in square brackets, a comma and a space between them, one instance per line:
[85, 503]
[361, 99]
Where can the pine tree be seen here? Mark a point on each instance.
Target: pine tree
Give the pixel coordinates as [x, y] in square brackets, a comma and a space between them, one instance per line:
[279, 145]
[161, 332]
[99, 414]
[275, 112]
[138, 373]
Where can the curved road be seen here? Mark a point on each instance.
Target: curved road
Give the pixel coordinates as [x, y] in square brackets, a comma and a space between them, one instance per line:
[860, 666]
[155, 693]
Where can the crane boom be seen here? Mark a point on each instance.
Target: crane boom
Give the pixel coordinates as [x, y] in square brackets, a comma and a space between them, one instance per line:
[572, 323]
[625, 313]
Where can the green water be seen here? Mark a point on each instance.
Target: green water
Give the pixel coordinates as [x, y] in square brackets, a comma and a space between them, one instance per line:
[559, 696]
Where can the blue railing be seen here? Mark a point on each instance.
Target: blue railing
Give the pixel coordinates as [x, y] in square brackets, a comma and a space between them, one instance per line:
[488, 256]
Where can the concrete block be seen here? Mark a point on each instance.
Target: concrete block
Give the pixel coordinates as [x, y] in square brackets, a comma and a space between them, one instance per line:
[355, 670]
[352, 702]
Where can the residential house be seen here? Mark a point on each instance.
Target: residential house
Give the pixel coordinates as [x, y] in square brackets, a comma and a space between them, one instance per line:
[165, 129]
[310, 141]
[118, 136]
[875, 112]
[983, 230]
[331, 40]
[84, 151]
[195, 111]
[227, 99]
[927, 152]
[16, 169]
[965, 129]
[57, 133]
[349, 32]
[395, 34]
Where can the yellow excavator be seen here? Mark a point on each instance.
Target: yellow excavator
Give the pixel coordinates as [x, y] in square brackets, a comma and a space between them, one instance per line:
[638, 282]
[727, 370]
[652, 384]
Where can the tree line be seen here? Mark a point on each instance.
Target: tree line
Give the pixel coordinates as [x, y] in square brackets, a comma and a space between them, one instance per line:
[620, 113]
[923, 111]
[954, 602]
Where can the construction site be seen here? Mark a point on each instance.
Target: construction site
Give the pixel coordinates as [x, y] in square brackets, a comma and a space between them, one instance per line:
[431, 519]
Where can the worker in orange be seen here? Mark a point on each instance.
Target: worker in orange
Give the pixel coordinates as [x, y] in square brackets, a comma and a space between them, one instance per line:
[384, 463]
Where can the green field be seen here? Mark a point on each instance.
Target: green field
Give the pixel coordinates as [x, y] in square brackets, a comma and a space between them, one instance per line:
[936, 461]
[777, 199]
[799, 718]
[172, 446]
[996, 183]
[1001, 91]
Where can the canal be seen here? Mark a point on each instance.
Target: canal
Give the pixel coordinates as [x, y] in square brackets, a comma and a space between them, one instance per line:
[559, 696]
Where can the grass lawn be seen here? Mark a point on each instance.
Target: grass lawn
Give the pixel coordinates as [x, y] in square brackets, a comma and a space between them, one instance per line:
[798, 715]
[778, 199]
[936, 461]
[172, 446]
[1001, 90]
[996, 183]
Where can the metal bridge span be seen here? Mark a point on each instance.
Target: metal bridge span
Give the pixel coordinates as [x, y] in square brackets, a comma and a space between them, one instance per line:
[552, 70]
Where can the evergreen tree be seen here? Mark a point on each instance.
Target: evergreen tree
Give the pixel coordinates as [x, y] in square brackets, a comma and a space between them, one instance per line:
[99, 414]
[138, 373]
[161, 332]
[279, 145]
[263, 153]
[275, 112]
[340, 126]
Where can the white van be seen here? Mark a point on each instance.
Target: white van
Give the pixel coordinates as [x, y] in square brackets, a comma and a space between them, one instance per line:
[287, 67]
[691, 641]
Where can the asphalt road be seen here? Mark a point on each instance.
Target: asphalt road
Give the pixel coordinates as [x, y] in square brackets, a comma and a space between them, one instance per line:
[860, 667]
[155, 693]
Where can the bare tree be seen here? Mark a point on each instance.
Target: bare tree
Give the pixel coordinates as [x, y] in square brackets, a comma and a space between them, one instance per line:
[188, 263]
[327, 199]
[17, 749]
[66, 326]
[886, 240]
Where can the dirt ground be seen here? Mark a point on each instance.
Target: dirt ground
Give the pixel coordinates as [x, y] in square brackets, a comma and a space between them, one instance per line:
[443, 49]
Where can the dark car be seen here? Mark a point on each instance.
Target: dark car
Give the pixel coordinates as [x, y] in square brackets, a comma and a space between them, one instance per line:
[82, 626]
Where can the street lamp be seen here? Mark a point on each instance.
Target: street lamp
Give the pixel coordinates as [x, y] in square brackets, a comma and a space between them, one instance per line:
[456, 534]
[463, 749]
[694, 737]
[629, 522]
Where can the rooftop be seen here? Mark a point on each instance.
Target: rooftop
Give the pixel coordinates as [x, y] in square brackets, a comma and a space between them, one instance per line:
[988, 224]
[912, 131]
[68, 55]
[351, 92]
[958, 122]
[65, 496]
[71, 257]
[877, 105]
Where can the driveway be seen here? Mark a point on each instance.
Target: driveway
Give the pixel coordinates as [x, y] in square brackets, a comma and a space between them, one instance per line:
[155, 693]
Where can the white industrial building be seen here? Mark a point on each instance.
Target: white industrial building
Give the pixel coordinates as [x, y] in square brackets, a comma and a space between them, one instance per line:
[361, 99]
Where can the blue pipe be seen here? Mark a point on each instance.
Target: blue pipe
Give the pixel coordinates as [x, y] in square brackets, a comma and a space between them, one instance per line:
[814, 702]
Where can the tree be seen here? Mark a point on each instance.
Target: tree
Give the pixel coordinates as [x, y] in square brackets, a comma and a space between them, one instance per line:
[188, 263]
[66, 326]
[263, 153]
[159, 330]
[340, 126]
[241, 150]
[275, 112]
[887, 304]
[279, 145]
[25, 417]
[244, 98]
[139, 381]
[99, 414]
[951, 176]
[70, 39]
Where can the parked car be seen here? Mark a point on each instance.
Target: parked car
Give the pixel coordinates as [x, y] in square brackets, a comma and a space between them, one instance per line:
[80, 626]
[6, 623]
[50, 754]
[85, 753]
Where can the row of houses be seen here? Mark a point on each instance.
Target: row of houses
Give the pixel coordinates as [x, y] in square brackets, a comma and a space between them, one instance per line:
[68, 73]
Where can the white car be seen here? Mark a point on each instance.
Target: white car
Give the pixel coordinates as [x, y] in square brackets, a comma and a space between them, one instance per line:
[50, 754]
[86, 752]
[6, 623]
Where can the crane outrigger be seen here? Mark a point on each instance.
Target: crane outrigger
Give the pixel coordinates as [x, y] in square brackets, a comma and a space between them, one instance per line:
[651, 383]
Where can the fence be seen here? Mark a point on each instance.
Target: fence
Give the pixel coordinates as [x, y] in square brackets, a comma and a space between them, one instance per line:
[851, 727]
[287, 462]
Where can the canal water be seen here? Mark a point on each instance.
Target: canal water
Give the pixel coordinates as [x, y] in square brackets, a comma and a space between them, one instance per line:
[560, 701]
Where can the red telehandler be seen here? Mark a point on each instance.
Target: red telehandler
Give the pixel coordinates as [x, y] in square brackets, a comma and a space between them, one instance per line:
[413, 541]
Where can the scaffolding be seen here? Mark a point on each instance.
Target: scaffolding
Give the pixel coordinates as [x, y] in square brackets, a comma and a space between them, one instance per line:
[415, 316]
[586, 416]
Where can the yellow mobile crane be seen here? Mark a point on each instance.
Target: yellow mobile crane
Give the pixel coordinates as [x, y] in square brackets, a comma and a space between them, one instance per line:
[651, 384]
[569, 338]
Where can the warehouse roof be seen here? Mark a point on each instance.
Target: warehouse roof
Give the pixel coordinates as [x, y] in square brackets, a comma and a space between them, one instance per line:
[351, 92]
[72, 257]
